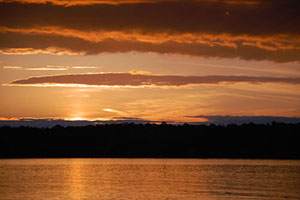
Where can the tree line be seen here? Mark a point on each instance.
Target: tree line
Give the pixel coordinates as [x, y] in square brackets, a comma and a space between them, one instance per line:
[275, 140]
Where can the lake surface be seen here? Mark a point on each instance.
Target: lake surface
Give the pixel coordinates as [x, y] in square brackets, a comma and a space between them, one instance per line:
[207, 179]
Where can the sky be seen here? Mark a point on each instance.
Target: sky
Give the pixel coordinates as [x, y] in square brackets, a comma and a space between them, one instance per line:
[145, 60]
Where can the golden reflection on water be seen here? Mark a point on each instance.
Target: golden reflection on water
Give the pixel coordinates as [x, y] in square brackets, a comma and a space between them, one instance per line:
[75, 180]
[141, 179]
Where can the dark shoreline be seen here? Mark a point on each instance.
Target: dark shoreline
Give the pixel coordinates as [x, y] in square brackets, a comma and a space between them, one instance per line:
[247, 141]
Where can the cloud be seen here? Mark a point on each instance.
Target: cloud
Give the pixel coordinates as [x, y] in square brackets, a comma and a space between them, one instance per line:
[47, 68]
[84, 67]
[128, 79]
[79, 2]
[113, 111]
[118, 2]
[207, 28]
[12, 67]
[140, 72]
[16, 43]
[271, 42]
[161, 16]
[32, 122]
[28, 51]
[224, 120]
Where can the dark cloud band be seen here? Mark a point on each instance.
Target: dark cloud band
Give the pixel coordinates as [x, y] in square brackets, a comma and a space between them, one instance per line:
[225, 120]
[42, 43]
[267, 18]
[127, 79]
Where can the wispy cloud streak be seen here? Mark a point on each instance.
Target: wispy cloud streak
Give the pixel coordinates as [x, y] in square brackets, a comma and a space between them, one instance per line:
[46, 68]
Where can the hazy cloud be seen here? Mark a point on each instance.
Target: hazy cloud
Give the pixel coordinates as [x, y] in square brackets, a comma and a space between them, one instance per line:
[128, 79]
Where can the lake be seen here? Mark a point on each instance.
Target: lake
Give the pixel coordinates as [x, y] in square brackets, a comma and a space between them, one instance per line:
[207, 179]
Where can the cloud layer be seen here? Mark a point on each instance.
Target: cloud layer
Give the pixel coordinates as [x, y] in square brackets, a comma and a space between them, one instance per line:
[261, 30]
[222, 120]
[247, 119]
[266, 18]
[47, 68]
[53, 122]
[128, 79]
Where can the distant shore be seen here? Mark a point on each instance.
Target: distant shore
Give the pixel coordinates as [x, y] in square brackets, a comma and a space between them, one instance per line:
[247, 141]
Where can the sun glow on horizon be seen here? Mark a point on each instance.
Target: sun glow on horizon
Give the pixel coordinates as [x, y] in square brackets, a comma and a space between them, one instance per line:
[77, 119]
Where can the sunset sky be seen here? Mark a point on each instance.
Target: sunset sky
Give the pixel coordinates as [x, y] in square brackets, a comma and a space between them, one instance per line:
[156, 60]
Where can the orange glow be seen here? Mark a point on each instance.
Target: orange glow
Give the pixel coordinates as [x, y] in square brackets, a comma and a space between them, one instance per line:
[76, 119]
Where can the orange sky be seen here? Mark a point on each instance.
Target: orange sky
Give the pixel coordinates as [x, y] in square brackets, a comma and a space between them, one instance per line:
[151, 60]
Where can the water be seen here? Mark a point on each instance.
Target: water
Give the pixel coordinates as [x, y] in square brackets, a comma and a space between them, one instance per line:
[149, 179]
